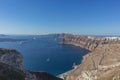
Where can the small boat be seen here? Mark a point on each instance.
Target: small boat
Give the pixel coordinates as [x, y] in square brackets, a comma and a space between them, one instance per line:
[34, 38]
[21, 42]
[48, 59]
[55, 39]
[74, 66]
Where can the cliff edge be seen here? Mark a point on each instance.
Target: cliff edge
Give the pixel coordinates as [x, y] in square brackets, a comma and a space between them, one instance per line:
[102, 63]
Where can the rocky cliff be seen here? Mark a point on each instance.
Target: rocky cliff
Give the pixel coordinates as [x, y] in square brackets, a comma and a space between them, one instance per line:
[11, 68]
[88, 42]
[102, 63]
[12, 58]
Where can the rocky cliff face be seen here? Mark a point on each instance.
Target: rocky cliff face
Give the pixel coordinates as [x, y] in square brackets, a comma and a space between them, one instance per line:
[87, 42]
[102, 63]
[11, 68]
[11, 57]
[8, 72]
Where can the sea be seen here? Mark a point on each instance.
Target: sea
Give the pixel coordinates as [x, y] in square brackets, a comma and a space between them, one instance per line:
[44, 53]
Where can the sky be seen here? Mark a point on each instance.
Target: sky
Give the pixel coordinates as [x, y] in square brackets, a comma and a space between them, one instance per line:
[96, 17]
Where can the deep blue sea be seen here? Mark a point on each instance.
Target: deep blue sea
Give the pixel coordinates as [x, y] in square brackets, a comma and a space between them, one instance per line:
[43, 53]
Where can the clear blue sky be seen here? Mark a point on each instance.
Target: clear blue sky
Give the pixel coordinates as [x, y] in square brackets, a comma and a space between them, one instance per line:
[58, 16]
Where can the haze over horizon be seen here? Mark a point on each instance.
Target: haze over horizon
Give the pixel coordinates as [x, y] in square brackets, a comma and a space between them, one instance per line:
[94, 17]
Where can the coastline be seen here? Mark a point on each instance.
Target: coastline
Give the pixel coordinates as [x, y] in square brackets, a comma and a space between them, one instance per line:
[101, 63]
[65, 74]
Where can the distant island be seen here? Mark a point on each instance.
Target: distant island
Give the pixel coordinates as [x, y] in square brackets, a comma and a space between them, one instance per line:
[4, 39]
[11, 40]
[3, 35]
